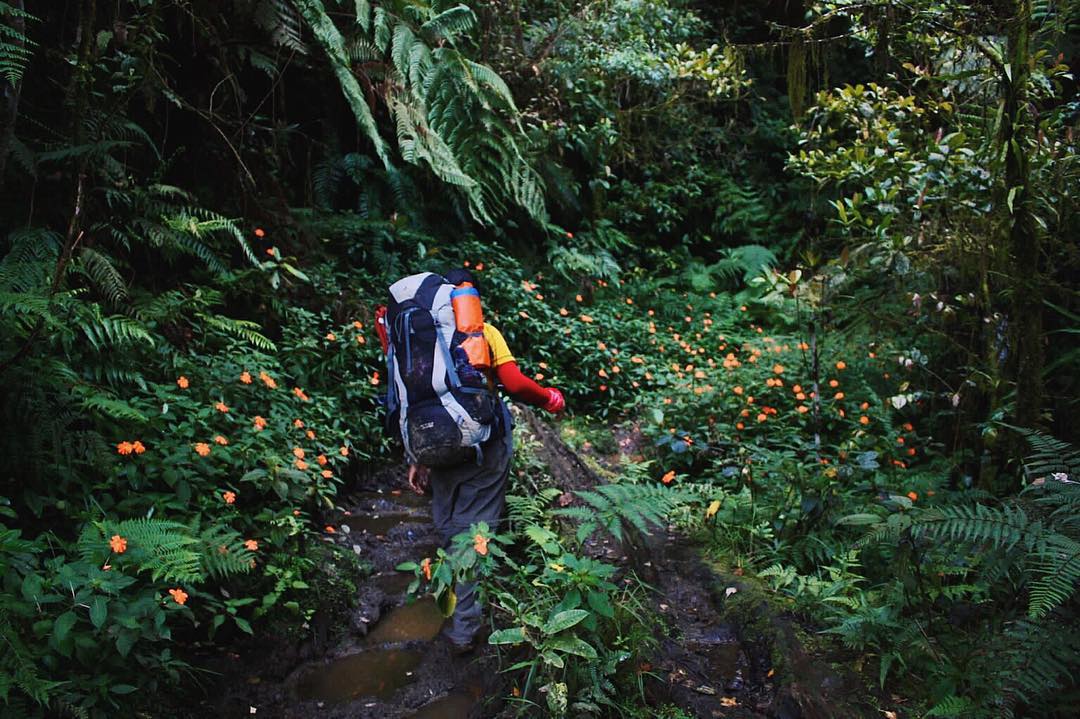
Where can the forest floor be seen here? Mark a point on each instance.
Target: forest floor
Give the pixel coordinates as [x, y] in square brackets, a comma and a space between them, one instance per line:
[390, 662]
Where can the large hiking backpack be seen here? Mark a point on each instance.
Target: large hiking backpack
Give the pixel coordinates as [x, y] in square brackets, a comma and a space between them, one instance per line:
[443, 406]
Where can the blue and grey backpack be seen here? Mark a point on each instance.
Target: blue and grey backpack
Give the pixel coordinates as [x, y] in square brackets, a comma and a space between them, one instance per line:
[443, 406]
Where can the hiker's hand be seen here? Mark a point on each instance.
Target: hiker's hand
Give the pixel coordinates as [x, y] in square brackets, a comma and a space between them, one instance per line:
[556, 403]
[418, 478]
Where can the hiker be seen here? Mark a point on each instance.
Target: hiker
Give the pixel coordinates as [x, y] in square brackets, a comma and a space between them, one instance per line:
[443, 363]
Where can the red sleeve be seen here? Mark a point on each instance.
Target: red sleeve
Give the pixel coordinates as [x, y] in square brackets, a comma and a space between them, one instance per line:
[519, 386]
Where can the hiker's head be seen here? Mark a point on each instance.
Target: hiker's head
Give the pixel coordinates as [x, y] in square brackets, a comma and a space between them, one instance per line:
[458, 275]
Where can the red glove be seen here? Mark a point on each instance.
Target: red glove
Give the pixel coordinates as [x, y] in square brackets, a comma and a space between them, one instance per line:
[556, 402]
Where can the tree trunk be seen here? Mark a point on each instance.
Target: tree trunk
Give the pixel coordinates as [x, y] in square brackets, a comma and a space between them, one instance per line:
[1024, 239]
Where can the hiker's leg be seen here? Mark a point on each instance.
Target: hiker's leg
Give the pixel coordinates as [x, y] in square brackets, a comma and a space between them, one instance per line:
[466, 495]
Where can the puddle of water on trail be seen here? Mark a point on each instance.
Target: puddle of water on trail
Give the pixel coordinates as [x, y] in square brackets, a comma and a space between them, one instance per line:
[368, 674]
[455, 706]
[420, 620]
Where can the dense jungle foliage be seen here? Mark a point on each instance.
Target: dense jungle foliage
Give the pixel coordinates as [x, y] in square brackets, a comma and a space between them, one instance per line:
[822, 254]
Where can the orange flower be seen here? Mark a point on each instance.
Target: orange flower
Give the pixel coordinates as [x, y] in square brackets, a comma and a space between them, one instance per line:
[360, 340]
[300, 393]
[268, 380]
[260, 232]
[834, 383]
[778, 369]
[841, 365]
[221, 440]
[331, 337]
[251, 545]
[182, 382]
[425, 567]
[586, 319]
[912, 496]
[138, 447]
[838, 396]
[125, 447]
[803, 346]
[260, 423]
[803, 409]
[800, 396]
[245, 377]
[118, 544]
[740, 425]
[322, 460]
[179, 595]
[797, 388]
[221, 407]
[343, 451]
[563, 311]
[864, 420]
[911, 451]
[298, 452]
[479, 266]
[329, 529]
[737, 390]
[762, 417]
[602, 372]
[864, 406]
[298, 423]
[310, 434]
[229, 497]
[202, 449]
[375, 377]
[908, 427]
[358, 325]
[578, 298]
[480, 544]
[899, 440]
[668, 476]
[603, 388]
[301, 464]
[327, 474]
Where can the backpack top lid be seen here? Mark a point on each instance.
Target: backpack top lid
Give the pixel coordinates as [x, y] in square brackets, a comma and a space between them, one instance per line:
[420, 289]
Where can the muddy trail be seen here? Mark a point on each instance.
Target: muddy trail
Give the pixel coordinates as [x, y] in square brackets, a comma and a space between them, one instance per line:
[391, 663]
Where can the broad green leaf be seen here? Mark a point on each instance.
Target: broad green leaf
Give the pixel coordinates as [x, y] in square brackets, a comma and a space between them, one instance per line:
[62, 626]
[573, 645]
[562, 621]
[99, 610]
[514, 635]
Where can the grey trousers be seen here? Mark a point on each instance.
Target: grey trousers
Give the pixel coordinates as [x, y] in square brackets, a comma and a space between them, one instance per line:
[467, 494]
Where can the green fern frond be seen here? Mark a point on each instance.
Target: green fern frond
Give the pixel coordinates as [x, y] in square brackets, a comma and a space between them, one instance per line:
[167, 550]
[244, 330]
[103, 275]
[450, 23]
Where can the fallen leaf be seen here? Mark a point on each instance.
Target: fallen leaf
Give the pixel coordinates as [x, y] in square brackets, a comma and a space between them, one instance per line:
[730, 590]
[728, 702]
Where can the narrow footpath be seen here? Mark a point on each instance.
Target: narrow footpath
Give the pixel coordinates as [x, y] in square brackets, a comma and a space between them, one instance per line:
[390, 663]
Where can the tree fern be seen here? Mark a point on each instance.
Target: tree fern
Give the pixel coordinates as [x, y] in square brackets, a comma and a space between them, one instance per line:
[333, 44]
[450, 114]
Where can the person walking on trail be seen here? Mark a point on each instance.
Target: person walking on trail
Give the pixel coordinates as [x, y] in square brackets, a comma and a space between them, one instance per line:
[443, 363]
